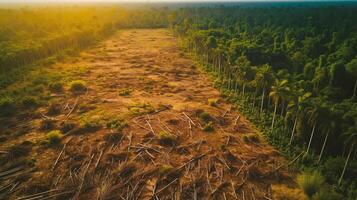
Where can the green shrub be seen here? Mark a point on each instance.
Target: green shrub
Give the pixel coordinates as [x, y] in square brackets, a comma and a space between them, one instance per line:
[166, 138]
[54, 137]
[327, 194]
[311, 183]
[208, 127]
[118, 124]
[29, 102]
[56, 87]
[205, 117]
[78, 86]
[7, 106]
[125, 92]
[212, 102]
[90, 125]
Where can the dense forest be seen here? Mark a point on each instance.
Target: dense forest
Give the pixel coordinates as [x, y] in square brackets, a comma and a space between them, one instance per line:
[293, 71]
[23, 42]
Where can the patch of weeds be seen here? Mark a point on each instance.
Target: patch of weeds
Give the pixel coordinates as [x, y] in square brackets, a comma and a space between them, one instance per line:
[205, 117]
[118, 124]
[125, 92]
[7, 106]
[56, 87]
[30, 102]
[166, 139]
[54, 137]
[311, 183]
[254, 138]
[208, 127]
[78, 86]
[212, 102]
[282, 192]
[39, 80]
[165, 169]
[90, 124]
[141, 108]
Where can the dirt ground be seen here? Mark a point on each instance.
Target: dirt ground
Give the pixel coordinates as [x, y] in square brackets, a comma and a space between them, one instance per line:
[138, 132]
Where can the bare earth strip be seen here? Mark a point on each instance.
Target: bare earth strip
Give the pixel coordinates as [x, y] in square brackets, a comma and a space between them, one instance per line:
[142, 77]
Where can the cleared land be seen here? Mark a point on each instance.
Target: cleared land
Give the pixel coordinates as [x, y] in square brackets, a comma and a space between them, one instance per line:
[143, 128]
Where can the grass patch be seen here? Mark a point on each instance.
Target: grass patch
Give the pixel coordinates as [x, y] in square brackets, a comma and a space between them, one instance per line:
[118, 124]
[205, 117]
[54, 137]
[90, 124]
[208, 127]
[141, 109]
[78, 86]
[311, 183]
[166, 139]
[30, 102]
[7, 106]
[125, 92]
[212, 102]
[56, 87]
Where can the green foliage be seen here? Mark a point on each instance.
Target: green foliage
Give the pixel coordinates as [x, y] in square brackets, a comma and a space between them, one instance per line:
[117, 124]
[56, 87]
[205, 117]
[78, 86]
[326, 194]
[125, 92]
[212, 102]
[7, 106]
[29, 102]
[166, 139]
[208, 127]
[311, 183]
[54, 137]
[141, 108]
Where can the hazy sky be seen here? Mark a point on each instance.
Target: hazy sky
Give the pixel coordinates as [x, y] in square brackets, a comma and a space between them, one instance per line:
[73, 1]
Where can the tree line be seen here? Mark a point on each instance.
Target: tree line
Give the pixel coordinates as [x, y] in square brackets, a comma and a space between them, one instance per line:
[293, 71]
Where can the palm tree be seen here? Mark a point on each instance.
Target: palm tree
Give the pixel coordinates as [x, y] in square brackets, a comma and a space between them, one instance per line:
[351, 141]
[352, 69]
[263, 80]
[278, 92]
[327, 125]
[316, 113]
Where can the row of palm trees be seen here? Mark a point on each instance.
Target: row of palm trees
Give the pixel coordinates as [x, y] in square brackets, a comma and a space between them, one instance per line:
[303, 110]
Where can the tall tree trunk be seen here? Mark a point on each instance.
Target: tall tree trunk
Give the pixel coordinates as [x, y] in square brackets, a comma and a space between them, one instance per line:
[293, 131]
[344, 168]
[282, 108]
[243, 90]
[262, 102]
[312, 135]
[274, 114]
[355, 89]
[254, 96]
[323, 148]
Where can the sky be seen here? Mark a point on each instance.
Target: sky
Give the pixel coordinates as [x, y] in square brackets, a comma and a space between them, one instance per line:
[73, 1]
[153, 1]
